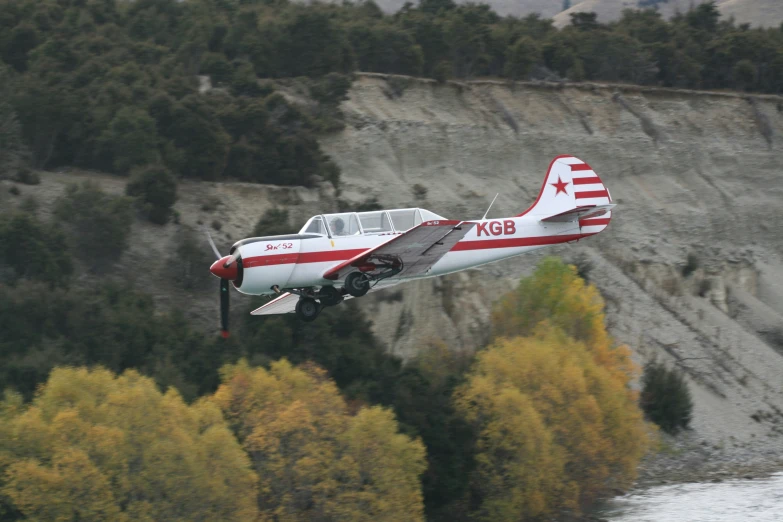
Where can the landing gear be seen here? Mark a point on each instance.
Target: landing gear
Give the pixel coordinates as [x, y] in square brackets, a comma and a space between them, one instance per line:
[307, 309]
[357, 284]
[330, 296]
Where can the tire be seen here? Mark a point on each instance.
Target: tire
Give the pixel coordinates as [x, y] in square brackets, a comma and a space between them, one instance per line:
[357, 284]
[330, 296]
[307, 309]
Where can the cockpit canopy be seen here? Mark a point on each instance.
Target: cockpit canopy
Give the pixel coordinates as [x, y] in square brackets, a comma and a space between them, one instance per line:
[367, 223]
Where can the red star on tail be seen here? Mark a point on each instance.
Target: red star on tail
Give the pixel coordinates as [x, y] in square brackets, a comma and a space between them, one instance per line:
[560, 186]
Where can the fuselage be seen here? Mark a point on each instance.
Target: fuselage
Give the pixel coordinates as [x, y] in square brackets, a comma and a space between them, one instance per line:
[300, 260]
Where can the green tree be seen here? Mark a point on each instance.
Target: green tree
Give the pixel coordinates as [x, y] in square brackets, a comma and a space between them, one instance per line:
[100, 223]
[95, 446]
[666, 399]
[521, 57]
[130, 140]
[34, 250]
[155, 190]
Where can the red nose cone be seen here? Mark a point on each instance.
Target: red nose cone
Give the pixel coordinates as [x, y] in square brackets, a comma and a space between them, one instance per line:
[222, 272]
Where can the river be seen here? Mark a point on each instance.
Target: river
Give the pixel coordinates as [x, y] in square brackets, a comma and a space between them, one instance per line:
[760, 500]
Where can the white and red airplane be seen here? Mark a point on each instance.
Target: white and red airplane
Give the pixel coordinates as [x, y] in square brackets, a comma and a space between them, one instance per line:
[339, 256]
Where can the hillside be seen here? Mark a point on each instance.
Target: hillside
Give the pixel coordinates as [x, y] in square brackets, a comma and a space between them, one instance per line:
[757, 13]
[694, 173]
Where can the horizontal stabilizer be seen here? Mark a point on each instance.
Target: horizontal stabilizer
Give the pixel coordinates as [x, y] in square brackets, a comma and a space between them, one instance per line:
[579, 213]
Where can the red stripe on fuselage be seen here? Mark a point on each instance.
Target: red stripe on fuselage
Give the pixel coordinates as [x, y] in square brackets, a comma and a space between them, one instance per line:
[302, 257]
[516, 242]
[342, 255]
[580, 166]
[591, 194]
[586, 181]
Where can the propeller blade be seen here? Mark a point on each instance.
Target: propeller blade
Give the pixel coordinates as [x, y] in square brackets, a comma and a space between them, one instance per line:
[231, 259]
[212, 244]
[224, 308]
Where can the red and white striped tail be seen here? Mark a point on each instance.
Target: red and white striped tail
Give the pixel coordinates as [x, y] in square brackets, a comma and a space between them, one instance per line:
[571, 186]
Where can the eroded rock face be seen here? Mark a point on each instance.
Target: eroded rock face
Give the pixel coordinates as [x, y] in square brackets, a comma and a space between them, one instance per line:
[693, 174]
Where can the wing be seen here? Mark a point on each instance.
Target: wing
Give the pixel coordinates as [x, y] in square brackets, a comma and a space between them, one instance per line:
[412, 253]
[286, 303]
[282, 304]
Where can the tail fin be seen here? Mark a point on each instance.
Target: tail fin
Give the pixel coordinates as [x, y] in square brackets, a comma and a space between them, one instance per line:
[571, 191]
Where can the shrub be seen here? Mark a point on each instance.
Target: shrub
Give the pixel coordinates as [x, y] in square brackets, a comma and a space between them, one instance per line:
[27, 176]
[100, 224]
[419, 192]
[34, 250]
[442, 72]
[155, 190]
[691, 264]
[666, 399]
[274, 222]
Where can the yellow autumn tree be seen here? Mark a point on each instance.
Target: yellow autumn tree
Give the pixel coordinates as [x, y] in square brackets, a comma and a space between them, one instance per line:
[555, 293]
[314, 459]
[557, 422]
[96, 446]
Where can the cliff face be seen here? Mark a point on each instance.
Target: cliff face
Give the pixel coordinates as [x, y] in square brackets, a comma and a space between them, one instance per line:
[694, 174]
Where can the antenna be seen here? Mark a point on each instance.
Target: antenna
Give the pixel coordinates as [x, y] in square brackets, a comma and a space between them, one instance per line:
[490, 205]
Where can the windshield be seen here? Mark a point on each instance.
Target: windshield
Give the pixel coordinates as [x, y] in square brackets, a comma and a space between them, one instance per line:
[375, 222]
[345, 224]
[314, 226]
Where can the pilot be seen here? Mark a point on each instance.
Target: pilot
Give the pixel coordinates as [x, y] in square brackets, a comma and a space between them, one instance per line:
[338, 227]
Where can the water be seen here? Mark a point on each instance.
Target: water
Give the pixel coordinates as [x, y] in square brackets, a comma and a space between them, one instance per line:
[758, 500]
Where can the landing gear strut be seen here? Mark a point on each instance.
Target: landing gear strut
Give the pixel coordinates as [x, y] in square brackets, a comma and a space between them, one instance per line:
[357, 284]
[330, 296]
[307, 309]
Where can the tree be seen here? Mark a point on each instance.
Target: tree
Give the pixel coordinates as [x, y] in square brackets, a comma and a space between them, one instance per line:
[34, 250]
[555, 293]
[13, 152]
[155, 190]
[521, 57]
[130, 140]
[314, 459]
[100, 223]
[556, 429]
[96, 446]
[666, 399]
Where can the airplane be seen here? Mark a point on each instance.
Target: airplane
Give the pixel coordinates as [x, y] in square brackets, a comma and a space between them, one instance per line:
[346, 255]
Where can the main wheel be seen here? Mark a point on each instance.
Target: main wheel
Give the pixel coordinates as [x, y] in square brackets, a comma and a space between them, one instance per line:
[330, 296]
[307, 309]
[357, 284]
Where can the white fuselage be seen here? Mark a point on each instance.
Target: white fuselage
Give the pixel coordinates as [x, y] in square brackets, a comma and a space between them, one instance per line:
[300, 261]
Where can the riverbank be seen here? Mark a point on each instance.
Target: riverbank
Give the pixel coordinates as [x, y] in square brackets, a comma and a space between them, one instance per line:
[688, 458]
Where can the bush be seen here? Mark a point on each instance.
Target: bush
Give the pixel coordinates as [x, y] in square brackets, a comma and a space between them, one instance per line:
[274, 222]
[27, 176]
[100, 224]
[691, 264]
[33, 250]
[666, 399]
[155, 190]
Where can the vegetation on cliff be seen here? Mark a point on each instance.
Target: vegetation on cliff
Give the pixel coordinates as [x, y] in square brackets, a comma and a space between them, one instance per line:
[114, 85]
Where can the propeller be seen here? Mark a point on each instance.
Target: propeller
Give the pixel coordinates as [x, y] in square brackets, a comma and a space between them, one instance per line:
[226, 269]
